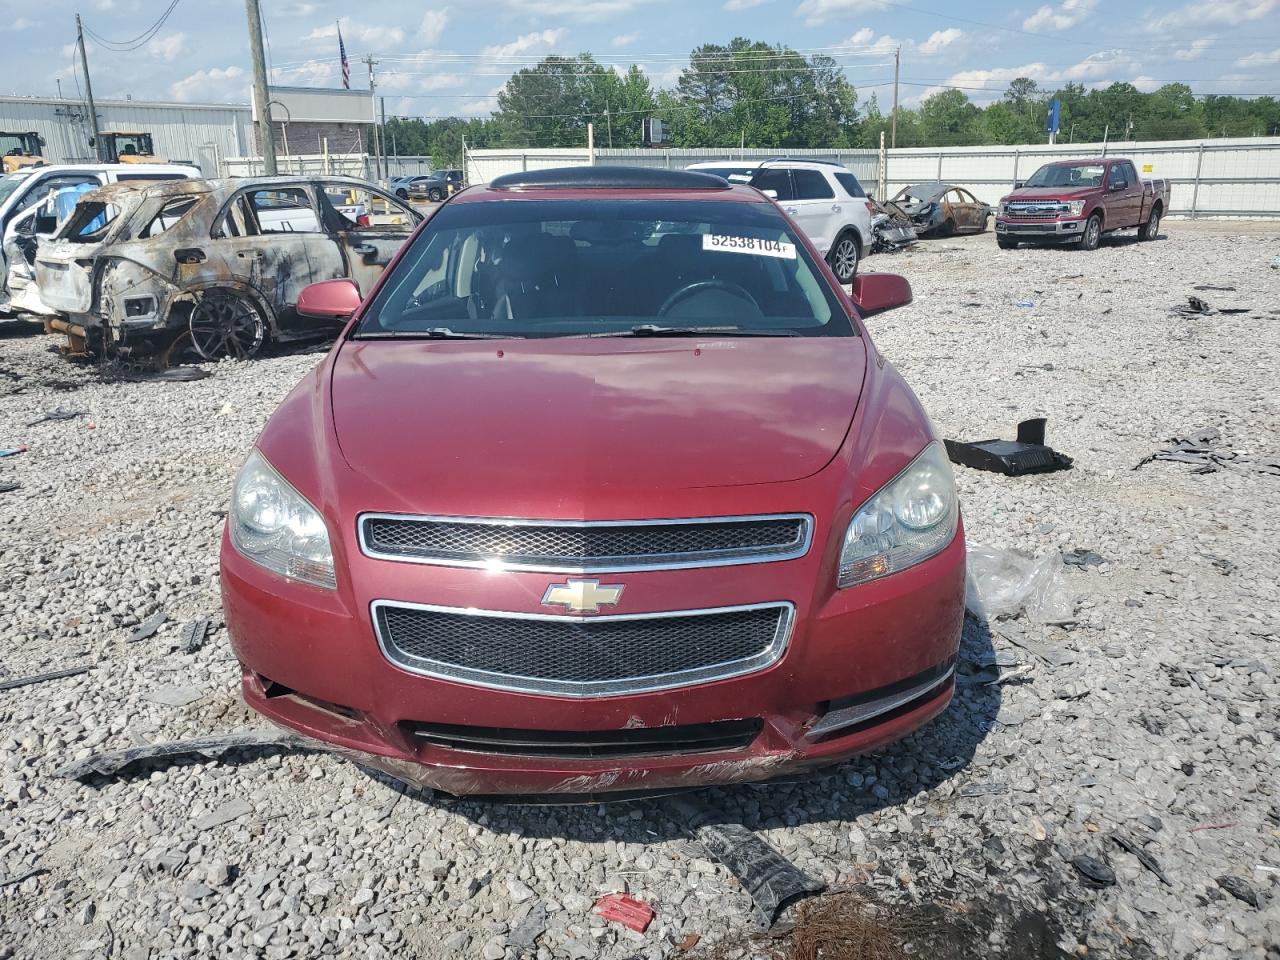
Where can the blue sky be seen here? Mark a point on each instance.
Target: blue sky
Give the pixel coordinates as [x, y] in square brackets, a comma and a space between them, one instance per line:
[449, 58]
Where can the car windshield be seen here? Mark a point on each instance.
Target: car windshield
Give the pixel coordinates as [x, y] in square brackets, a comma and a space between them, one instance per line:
[1067, 175]
[557, 268]
[11, 183]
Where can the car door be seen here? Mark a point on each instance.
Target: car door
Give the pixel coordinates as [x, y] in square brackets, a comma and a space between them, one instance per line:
[1123, 201]
[56, 193]
[968, 214]
[364, 229]
[266, 237]
[820, 213]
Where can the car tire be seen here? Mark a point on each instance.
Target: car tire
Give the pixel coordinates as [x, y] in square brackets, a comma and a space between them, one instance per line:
[434, 195]
[1006, 244]
[844, 256]
[402, 194]
[1151, 229]
[227, 324]
[1092, 235]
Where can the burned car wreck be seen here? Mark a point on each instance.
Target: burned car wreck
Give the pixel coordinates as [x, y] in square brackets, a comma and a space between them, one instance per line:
[938, 209]
[206, 269]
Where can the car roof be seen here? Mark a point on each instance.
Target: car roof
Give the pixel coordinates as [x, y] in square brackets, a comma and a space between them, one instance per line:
[1079, 161]
[190, 170]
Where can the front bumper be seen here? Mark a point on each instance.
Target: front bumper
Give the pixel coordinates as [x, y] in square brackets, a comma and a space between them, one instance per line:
[1041, 229]
[864, 667]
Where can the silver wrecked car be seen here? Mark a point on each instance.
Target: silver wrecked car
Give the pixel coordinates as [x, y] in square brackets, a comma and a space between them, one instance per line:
[212, 268]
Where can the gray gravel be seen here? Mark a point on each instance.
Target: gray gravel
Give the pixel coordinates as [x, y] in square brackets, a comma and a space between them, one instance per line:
[1153, 717]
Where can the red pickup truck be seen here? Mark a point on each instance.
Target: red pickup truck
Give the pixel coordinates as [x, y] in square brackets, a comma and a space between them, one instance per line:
[1077, 201]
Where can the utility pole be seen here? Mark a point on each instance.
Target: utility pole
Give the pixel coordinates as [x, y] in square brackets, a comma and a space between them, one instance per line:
[608, 123]
[373, 103]
[386, 163]
[266, 137]
[893, 123]
[88, 90]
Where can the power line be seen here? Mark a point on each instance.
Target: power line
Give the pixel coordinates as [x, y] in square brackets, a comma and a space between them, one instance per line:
[125, 46]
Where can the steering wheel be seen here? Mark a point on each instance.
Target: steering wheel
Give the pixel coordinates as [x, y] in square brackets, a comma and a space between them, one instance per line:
[701, 286]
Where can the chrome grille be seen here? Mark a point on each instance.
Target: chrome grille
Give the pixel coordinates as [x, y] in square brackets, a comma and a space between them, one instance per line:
[582, 656]
[554, 546]
[1035, 209]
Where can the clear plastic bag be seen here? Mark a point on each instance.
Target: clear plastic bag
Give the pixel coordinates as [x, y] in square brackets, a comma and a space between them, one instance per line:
[1003, 583]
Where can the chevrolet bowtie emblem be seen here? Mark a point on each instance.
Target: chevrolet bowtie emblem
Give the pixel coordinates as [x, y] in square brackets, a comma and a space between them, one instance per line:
[583, 596]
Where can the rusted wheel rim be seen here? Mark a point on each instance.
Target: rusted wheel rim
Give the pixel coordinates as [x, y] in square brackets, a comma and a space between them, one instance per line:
[846, 259]
[223, 325]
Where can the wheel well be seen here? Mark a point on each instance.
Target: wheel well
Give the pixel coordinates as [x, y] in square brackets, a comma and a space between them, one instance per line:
[1157, 207]
[186, 301]
[850, 231]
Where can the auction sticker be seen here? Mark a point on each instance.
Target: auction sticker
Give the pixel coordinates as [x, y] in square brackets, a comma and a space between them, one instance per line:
[753, 245]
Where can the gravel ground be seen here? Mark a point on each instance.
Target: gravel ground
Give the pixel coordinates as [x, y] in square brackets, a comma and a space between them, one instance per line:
[1153, 716]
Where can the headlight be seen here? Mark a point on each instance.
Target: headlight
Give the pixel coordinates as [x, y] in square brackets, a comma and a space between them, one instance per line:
[910, 519]
[1075, 207]
[1004, 209]
[275, 527]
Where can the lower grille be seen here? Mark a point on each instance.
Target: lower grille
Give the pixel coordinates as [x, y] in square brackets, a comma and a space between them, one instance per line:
[582, 656]
[590, 745]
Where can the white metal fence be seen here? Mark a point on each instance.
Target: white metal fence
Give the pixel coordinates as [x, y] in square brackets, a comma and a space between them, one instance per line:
[1214, 178]
[319, 164]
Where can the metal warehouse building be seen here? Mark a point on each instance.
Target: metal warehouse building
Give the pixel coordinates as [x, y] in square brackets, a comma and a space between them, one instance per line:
[202, 133]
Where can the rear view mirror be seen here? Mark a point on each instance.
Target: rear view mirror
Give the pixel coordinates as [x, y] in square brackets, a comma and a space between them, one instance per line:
[329, 300]
[877, 292]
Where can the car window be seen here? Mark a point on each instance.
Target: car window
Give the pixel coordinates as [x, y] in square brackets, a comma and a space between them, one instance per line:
[778, 180]
[811, 185]
[89, 222]
[65, 186]
[849, 183]
[1067, 175]
[554, 268]
[1116, 176]
[167, 217]
[11, 183]
[283, 210]
[359, 208]
[125, 177]
[235, 221]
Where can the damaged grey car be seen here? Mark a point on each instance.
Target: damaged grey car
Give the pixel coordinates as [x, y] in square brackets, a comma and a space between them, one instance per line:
[207, 269]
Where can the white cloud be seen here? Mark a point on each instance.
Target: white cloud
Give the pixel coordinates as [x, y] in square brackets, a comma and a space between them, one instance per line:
[22, 23]
[735, 5]
[371, 35]
[867, 42]
[1063, 17]
[217, 83]
[1259, 59]
[940, 40]
[1233, 12]
[625, 39]
[816, 11]
[1196, 50]
[433, 24]
[168, 48]
[525, 45]
[1146, 84]
[1098, 69]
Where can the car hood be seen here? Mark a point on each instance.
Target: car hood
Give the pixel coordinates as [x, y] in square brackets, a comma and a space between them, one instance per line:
[587, 428]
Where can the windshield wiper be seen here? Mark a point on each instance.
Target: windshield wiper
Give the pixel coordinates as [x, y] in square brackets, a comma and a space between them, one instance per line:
[655, 330]
[435, 333]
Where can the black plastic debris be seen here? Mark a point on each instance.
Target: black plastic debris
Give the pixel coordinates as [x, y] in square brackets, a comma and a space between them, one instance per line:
[1240, 888]
[43, 677]
[770, 879]
[1130, 845]
[1094, 872]
[524, 935]
[1208, 453]
[193, 635]
[1080, 557]
[148, 627]
[22, 877]
[115, 761]
[8, 485]
[1026, 454]
[1210, 286]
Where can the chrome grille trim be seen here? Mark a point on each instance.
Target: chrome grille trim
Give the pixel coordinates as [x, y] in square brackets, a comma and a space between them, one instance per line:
[632, 563]
[440, 670]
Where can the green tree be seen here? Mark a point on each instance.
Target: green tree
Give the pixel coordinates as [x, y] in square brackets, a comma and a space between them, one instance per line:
[948, 118]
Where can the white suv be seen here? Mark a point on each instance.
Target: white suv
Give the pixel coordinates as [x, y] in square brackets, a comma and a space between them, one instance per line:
[823, 197]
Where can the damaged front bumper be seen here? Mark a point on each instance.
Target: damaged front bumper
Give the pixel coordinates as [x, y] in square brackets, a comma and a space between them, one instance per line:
[863, 669]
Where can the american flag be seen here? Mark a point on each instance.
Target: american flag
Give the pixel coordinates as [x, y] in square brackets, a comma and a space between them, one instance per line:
[346, 66]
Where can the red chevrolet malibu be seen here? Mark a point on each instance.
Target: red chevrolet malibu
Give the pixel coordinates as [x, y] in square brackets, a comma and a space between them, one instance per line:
[603, 489]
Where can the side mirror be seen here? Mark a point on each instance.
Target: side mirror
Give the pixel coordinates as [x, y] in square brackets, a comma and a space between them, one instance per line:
[329, 300]
[1117, 187]
[771, 194]
[1019, 184]
[877, 292]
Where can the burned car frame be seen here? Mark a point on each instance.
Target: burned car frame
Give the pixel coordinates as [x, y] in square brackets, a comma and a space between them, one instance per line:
[209, 269]
[938, 209]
